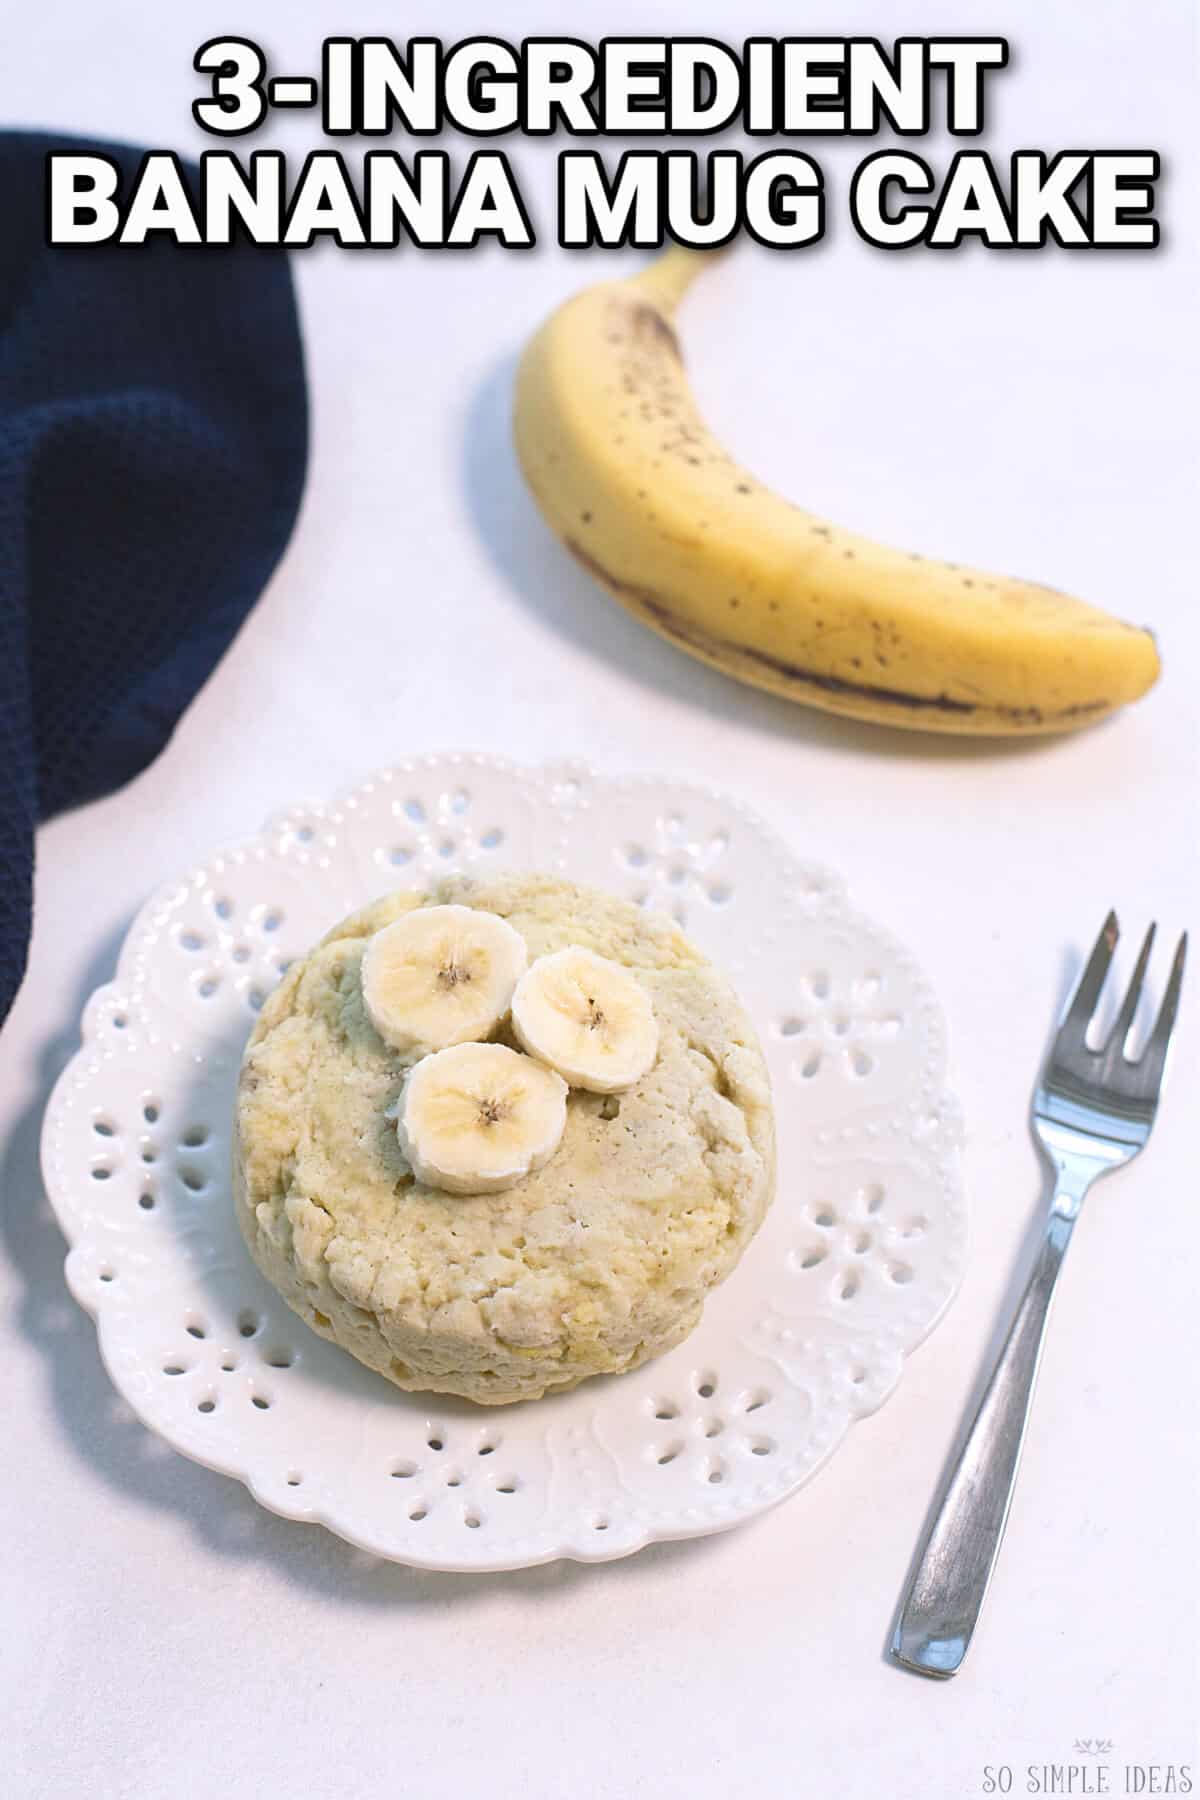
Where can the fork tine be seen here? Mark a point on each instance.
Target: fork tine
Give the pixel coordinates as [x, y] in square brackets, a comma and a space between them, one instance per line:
[1124, 1019]
[1150, 1064]
[1083, 1003]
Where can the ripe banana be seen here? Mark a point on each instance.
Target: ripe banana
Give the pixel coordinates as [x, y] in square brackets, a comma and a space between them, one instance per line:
[588, 1018]
[477, 1117]
[624, 469]
[441, 975]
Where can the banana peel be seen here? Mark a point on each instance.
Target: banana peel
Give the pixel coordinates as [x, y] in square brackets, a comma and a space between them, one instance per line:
[623, 467]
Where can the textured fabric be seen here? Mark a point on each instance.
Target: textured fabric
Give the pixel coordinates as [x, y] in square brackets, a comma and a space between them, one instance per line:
[153, 437]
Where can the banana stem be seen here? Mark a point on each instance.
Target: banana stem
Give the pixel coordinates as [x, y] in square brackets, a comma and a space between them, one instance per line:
[665, 281]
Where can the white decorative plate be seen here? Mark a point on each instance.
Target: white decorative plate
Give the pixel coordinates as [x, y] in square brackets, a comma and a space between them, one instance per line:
[858, 1257]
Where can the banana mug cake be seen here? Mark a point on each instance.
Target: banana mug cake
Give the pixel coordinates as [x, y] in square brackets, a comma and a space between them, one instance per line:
[502, 1136]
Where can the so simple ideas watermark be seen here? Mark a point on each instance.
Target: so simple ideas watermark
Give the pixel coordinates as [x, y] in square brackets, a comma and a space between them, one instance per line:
[1092, 1769]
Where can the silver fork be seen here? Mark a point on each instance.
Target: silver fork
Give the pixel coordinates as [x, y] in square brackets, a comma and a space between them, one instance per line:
[1092, 1112]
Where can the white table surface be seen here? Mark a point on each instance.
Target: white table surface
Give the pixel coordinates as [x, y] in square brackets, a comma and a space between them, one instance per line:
[165, 1637]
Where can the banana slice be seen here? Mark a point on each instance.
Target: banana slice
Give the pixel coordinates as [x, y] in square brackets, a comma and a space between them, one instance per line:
[477, 1117]
[588, 1018]
[441, 975]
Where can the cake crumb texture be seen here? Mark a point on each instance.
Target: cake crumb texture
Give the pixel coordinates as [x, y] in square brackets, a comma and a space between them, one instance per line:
[592, 1264]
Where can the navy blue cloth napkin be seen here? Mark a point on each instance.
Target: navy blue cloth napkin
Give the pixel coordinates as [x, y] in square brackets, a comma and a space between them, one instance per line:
[153, 441]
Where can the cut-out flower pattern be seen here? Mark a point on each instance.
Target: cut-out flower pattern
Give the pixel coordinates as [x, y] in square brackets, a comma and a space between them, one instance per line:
[839, 1026]
[438, 829]
[679, 866]
[853, 1239]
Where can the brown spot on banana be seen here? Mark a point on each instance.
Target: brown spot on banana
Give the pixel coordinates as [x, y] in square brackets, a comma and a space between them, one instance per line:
[647, 323]
[780, 675]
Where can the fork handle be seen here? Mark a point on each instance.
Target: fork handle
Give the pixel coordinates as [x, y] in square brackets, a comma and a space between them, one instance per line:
[946, 1592]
